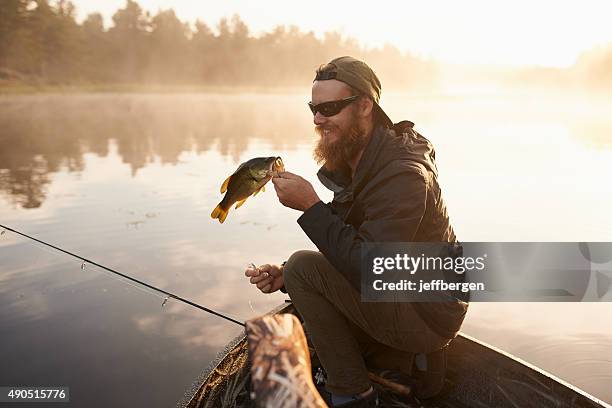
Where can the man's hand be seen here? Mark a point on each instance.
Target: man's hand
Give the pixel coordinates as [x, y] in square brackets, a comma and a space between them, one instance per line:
[268, 278]
[294, 192]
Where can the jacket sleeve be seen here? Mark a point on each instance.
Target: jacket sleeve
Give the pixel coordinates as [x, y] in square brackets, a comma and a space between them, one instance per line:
[393, 210]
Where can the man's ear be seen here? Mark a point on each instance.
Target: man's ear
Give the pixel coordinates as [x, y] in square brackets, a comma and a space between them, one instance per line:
[366, 106]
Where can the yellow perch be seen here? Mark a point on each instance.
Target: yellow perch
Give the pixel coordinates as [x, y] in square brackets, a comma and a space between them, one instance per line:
[248, 179]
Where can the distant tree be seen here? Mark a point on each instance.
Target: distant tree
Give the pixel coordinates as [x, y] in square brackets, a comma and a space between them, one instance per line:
[224, 28]
[65, 63]
[41, 38]
[240, 52]
[168, 48]
[95, 49]
[240, 31]
[201, 55]
[128, 42]
[12, 16]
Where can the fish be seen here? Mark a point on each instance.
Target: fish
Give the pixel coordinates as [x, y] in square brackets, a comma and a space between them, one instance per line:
[248, 180]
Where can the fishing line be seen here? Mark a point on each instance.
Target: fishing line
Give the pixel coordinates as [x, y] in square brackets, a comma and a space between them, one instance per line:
[83, 265]
[129, 278]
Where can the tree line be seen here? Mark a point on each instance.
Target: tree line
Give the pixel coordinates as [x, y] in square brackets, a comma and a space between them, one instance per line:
[42, 42]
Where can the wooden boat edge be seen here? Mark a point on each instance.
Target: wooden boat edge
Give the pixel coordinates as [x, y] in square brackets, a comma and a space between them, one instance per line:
[538, 370]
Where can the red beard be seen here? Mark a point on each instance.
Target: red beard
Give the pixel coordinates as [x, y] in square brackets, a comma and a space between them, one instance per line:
[338, 153]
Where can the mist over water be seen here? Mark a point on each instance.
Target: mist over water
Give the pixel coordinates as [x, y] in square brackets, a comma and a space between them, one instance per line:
[129, 180]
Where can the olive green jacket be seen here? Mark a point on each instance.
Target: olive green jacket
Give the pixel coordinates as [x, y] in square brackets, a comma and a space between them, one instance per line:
[393, 197]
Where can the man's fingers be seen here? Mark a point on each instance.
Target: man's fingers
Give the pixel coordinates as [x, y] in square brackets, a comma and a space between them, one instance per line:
[288, 175]
[260, 278]
[264, 283]
[281, 175]
[266, 289]
[278, 182]
[251, 272]
[265, 268]
[285, 179]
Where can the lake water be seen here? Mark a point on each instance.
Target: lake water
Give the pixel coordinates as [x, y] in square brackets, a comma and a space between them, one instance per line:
[129, 181]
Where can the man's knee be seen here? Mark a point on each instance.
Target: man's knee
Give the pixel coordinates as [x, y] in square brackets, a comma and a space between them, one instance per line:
[298, 267]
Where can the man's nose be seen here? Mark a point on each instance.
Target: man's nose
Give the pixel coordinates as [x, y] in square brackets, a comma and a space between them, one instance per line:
[318, 119]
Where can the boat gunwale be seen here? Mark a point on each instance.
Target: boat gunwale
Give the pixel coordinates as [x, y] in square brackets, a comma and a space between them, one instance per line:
[532, 367]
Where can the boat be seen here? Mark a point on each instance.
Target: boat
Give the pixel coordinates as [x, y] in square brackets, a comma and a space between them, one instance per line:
[478, 375]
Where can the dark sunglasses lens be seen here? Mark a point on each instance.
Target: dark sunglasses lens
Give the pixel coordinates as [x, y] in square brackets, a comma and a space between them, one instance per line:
[332, 108]
[328, 109]
[313, 108]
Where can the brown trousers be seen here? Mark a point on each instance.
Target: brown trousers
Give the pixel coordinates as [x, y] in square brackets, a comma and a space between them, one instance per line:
[349, 334]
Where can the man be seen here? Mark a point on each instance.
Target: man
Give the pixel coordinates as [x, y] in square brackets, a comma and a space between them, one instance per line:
[385, 188]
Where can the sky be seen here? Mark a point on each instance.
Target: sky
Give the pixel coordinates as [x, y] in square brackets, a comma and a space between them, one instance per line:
[516, 33]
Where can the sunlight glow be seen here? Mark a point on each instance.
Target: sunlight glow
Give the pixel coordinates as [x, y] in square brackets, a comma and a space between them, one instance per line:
[469, 32]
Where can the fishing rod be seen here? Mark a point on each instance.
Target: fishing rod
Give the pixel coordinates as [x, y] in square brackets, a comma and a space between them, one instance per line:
[85, 260]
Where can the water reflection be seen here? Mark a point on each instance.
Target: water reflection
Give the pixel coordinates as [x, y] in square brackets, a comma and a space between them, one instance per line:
[42, 135]
[112, 344]
[45, 134]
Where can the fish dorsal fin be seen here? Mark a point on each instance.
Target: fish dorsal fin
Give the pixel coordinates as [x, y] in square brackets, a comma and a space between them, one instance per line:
[225, 183]
[245, 164]
[240, 203]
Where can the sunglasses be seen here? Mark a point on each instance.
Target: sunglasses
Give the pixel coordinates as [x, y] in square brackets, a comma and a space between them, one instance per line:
[331, 108]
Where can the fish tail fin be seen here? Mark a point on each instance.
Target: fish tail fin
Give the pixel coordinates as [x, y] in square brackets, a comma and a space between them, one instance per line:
[220, 213]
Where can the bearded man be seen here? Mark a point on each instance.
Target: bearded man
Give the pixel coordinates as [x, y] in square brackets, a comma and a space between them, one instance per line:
[384, 180]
